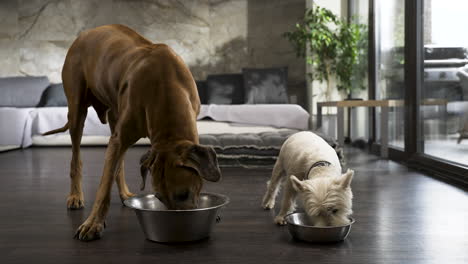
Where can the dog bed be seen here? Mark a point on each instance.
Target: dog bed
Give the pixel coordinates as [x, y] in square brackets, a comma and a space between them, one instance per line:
[253, 149]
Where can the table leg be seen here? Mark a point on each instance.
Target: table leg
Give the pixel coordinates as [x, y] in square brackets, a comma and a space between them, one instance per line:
[399, 116]
[384, 132]
[349, 126]
[443, 123]
[340, 126]
[319, 116]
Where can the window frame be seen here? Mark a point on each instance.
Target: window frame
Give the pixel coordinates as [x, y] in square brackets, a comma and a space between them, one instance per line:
[413, 153]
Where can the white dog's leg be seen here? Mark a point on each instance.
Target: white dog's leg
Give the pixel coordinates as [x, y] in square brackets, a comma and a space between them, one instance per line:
[287, 205]
[273, 186]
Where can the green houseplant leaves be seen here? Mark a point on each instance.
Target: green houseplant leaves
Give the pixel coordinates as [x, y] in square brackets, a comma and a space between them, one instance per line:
[337, 47]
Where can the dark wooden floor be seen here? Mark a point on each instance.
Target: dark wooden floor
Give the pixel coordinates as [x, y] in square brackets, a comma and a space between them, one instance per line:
[401, 217]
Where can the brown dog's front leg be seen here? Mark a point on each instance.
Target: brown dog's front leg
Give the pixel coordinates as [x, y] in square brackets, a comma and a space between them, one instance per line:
[92, 228]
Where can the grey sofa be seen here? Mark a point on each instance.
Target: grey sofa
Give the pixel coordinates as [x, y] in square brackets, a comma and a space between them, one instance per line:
[30, 106]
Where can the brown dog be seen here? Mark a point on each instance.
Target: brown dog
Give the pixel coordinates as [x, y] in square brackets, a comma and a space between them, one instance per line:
[143, 90]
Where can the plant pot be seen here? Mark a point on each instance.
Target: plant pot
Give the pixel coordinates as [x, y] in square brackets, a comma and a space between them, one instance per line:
[350, 98]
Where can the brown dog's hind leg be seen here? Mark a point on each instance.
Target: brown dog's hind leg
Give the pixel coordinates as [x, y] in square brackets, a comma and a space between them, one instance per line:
[124, 192]
[75, 90]
[75, 199]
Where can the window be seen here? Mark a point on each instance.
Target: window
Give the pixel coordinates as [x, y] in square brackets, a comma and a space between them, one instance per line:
[444, 95]
[390, 43]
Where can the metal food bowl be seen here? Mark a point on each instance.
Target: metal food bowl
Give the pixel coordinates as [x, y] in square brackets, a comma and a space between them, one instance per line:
[162, 225]
[299, 227]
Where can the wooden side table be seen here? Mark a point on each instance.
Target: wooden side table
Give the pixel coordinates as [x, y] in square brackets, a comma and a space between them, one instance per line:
[384, 107]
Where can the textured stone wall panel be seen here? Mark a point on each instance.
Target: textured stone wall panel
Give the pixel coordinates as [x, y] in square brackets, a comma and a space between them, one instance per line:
[43, 58]
[268, 20]
[9, 58]
[212, 36]
[56, 20]
[8, 18]
[228, 35]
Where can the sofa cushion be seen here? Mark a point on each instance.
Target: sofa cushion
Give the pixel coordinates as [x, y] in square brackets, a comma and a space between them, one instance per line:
[225, 89]
[201, 87]
[266, 86]
[22, 91]
[54, 95]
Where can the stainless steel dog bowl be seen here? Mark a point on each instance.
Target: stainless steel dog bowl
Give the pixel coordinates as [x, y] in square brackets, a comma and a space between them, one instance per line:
[162, 225]
[299, 228]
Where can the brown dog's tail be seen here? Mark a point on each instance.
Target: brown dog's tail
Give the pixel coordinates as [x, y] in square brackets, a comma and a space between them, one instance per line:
[58, 130]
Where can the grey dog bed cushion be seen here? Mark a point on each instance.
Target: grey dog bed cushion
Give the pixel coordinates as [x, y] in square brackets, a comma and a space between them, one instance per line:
[252, 149]
[247, 144]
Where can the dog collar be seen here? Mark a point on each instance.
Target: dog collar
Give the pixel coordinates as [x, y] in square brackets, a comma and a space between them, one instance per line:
[321, 163]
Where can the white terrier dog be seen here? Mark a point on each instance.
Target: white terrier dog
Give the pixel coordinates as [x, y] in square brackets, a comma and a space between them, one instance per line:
[315, 175]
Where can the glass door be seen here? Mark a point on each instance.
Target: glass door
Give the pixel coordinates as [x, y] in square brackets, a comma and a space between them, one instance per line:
[389, 56]
[444, 92]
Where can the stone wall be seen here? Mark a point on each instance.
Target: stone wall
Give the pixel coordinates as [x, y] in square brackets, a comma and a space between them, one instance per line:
[212, 36]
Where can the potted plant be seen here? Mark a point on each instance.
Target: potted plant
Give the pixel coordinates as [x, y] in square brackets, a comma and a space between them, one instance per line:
[352, 67]
[336, 48]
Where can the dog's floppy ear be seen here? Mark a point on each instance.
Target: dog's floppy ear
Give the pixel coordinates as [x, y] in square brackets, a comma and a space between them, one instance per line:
[347, 178]
[297, 184]
[146, 161]
[203, 160]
